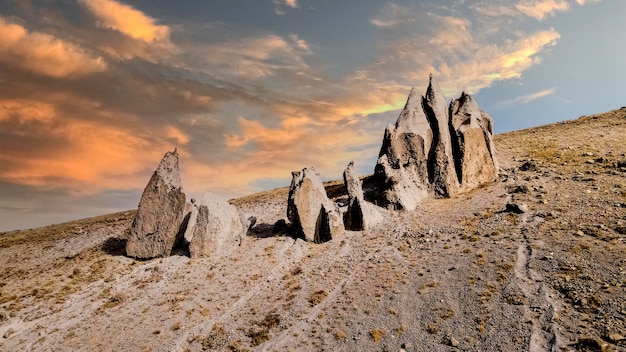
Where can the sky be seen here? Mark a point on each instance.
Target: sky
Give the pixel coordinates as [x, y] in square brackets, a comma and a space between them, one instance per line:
[94, 92]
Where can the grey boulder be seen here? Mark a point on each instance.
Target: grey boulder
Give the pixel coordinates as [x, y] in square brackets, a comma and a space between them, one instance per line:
[312, 214]
[473, 129]
[155, 229]
[214, 228]
[360, 214]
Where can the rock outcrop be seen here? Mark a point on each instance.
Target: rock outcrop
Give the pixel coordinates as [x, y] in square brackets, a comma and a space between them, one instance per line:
[441, 168]
[401, 170]
[312, 214]
[214, 227]
[360, 214]
[155, 228]
[473, 130]
[434, 150]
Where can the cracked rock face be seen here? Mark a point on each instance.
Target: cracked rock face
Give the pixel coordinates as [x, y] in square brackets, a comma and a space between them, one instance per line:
[401, 170]
[441, 167]
[155, 228]
[214, 228]
[473, 129]
[360, 214]
[312, 214]
[434, 150]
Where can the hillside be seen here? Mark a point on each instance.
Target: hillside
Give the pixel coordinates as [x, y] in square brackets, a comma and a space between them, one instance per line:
[455, 274]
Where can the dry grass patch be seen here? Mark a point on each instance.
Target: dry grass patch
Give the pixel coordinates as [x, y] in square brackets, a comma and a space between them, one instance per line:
[425, 287]
[317, 297]
[377, 334]
[260, 332]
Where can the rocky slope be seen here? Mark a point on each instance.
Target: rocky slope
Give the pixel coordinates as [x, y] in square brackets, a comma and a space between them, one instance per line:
[534, 262]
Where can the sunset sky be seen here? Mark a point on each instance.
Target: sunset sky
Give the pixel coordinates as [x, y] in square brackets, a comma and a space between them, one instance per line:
[94, 92]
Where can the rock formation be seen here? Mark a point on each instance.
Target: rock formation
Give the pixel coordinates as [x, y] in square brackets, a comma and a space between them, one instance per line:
[360, 215]
[311, 213]
[156, 225]
[434, 150]
[214, 227]
[441, 168]
[473, 141]
[401, 170]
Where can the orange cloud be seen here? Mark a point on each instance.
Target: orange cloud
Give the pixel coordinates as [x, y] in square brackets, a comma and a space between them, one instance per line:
[26, 111]
[85, 156]
[541, 9]
[177, 135]
[479, 69]
[127, 20]
[44, 54]
[258, 57]
[272, 153]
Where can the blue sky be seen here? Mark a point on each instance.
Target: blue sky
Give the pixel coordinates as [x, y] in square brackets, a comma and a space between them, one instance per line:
[94, 92]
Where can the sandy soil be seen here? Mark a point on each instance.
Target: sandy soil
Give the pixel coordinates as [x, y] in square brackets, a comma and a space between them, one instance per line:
[456, 274]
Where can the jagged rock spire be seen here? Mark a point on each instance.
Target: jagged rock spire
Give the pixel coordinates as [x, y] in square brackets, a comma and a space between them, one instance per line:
[401, 170]
[156, 225]
[441, 169]
[434, 150]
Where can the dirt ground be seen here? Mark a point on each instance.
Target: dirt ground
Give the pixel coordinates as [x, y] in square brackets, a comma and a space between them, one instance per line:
[463, 274]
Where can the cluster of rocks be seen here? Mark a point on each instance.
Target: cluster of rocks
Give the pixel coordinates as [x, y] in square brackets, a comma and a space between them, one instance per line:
[208, 227]
[433, 150]
[316, 218]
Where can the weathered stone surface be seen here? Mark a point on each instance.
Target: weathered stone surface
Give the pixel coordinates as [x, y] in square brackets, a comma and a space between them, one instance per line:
[312, 214]
[156, 225]
[473, 143]
[441, 168]
[217, 230]
[401, 170]
[434, 150]
[360, 214]
[191, 211]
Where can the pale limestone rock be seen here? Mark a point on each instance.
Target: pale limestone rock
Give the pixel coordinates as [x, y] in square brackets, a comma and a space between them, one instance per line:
[310, 211]
[434, 150]
[155, 228]
[360, 214]
[401, 170]
[217, 229]
[467, 106]
[473, 143]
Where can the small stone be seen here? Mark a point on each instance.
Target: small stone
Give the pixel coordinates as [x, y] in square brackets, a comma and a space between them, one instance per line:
[529, 166]
[450, 341]
[579, 233]
[520, 189]
[8, 333]
[518, 208]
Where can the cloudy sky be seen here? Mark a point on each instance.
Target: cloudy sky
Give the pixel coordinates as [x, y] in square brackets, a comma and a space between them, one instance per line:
[94, 92]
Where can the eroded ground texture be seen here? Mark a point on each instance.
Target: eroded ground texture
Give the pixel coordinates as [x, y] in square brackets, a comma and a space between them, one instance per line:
[455, 274]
